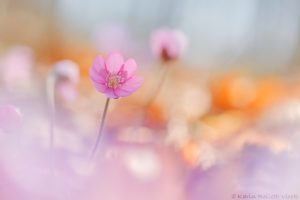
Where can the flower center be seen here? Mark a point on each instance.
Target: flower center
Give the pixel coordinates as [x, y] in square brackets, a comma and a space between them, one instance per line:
[165, 55]
[115, 80]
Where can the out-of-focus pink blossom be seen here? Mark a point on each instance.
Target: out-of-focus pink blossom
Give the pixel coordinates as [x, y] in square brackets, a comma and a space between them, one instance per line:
[16, 65]
[114, 77]
[67, 69]
[168, 44]
[67, 77]
[10, 118]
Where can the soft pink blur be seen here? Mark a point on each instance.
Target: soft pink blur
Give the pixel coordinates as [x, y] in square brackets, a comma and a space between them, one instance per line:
[168, 44]
[16, 65]
[10, 118]
[67, 78]
[67, 69]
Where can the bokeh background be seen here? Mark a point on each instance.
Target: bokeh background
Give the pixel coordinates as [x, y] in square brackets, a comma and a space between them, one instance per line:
[225, 123]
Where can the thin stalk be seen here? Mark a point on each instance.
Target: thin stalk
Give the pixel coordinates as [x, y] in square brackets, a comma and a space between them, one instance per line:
[157, 89]
[50, 87]
[101, 128]
[51, 102]
[151, 98]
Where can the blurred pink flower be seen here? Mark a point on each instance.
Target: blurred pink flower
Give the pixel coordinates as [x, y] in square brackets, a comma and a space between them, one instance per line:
[17, 64]
[67, 69]
[10, 118]
[168, 44]
[67, 75]
[114, 77]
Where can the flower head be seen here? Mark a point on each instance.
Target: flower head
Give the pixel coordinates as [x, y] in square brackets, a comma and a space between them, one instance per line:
[114, 77]
[16, 65]
[67, 69]
[67, 76]
[168, 44]
[10, 118]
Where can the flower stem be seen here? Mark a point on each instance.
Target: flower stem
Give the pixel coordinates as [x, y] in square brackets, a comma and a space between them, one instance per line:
[158, 87]
[144, 114]
[101, 128]
[51, 102]
[50, 84]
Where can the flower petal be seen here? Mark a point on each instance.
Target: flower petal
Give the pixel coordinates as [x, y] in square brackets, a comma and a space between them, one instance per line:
[130, 86]
[114, 63]
[98, 76]
[98, 72]
[122, 93]
[130, 67]
[110, 93]
[98, 64]
[100, 87]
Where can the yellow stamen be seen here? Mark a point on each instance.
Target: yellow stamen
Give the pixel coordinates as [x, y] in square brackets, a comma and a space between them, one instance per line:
[113, 81]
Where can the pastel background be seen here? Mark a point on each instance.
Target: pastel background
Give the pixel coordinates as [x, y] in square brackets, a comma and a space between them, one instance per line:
[224, 122]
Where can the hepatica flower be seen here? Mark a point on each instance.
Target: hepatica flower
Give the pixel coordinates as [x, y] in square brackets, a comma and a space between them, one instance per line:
[168, 44]
[114, 77]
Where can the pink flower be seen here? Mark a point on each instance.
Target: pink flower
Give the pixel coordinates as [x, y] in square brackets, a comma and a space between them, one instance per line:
[10, 118]
[67, 75]
[114, 77]
[168, 44]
